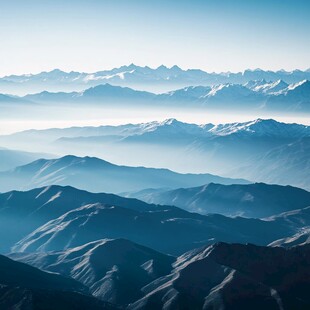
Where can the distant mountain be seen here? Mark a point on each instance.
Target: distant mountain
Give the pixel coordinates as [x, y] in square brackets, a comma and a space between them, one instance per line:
[262, 86]
[252, 200]
[294, 97]
[98, 175]
[266, 128]
[217, 96]
[242, 149]
[47, 136]
[10, 99]
[233, 95]
[258, 127]
[180, 230]
[233, 276]
[13, 158]
[115, 92]
[146, 78]
[187, 94]
[170, 131]
[175, 131]
[25, 287]
[289, 163]
[113, 270]
[52, 97]
[101, 94]
[276, 95]
[258, 95]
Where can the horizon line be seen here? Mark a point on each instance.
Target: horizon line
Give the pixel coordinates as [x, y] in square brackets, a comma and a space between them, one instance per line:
[154, 68]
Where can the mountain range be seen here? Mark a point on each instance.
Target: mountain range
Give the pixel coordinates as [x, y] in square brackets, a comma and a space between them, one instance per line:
[289, 161]
[55, 218]
[220, 220]
[261, 150]
[220, 276]
[114, 270]
[119, 250]
[45, 204]
[264, 128]
[249, 200]
[146, 78]
[13, 158]
[97, 175]
[258, 95]
[86, 221]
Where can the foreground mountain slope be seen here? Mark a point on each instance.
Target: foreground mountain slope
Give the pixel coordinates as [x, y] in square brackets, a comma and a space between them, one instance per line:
[25, 287]
[249, 200]
[23, 212]
[180, 230]
[98, 175]
[114, 270]
[233, 276]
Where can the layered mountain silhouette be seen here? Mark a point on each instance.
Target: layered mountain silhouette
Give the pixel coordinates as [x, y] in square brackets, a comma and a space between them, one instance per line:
[232, 276]
[249, 200]
[259, 150]
[86, 233]
[261, 95]
[13, 158]
[161, 78]
[104, 93]
[289, 162]
[55, 223]
[23, 212]
[97, 175]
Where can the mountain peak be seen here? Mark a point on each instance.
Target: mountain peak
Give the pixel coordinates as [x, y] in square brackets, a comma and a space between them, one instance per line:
[170, 121]
[261, 127]
[176, 68]
[56, 71]
[132, 66]
[162, 67]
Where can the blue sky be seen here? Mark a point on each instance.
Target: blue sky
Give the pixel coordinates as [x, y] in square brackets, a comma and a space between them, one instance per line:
[214, 35]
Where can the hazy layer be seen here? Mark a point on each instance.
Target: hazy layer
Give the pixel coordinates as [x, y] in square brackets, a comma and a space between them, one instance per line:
[39, 117]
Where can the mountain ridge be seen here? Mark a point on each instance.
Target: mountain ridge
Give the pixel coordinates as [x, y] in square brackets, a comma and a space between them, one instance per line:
[105, 176]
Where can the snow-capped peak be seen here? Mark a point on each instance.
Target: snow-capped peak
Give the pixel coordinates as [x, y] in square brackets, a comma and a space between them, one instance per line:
[261, 127]
[262, 86]
[295, 85]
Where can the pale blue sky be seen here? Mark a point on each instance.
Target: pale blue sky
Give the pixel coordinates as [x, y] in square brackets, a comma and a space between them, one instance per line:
[214, 35]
